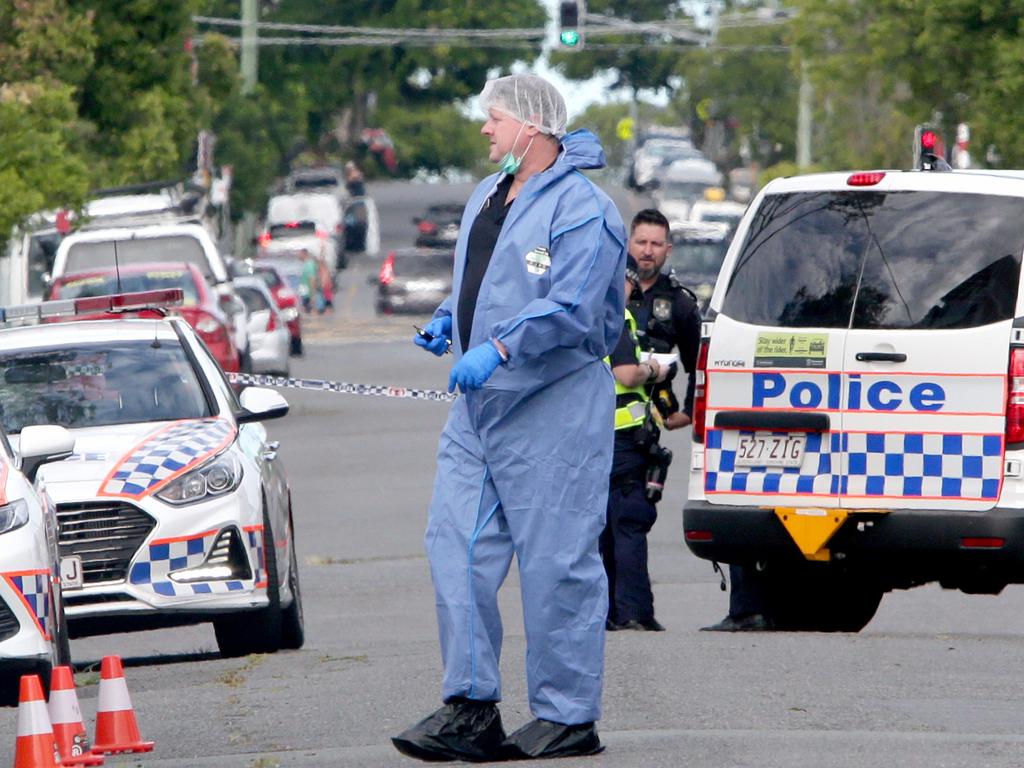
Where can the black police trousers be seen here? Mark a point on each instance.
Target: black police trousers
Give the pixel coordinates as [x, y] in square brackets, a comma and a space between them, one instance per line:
[624, 551]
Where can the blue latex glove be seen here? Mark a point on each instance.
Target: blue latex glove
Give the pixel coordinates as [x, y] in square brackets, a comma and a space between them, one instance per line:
[475, 367]
[441, 329]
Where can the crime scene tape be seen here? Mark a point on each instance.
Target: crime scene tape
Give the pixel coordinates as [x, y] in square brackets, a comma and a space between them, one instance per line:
[341, 387]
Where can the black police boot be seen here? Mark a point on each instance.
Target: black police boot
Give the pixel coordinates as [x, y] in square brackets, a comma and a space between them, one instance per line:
[754, 622]
[543, 739]
[463, 729]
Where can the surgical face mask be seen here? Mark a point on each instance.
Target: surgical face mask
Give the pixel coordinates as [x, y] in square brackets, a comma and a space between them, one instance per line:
[509, 163]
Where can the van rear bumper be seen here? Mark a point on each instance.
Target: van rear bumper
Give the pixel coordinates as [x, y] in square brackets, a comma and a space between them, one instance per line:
[915, 546]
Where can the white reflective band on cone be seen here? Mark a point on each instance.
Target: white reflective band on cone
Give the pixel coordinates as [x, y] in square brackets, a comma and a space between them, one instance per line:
[33, 719]
[114, 695]
[64, 707]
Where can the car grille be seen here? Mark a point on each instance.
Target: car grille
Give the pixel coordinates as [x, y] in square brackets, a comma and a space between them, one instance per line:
[105, 534]
[8, 622]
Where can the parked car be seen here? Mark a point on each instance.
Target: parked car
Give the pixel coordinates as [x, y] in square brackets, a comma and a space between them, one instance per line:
[33, 626]
[284, 290]
[201, 308]
[269, 339]
[155, 243]
[698, 250]
[317, 180]
[325, 211]
[414, 280]
[292, 236]
[438, 227]
[175, 507]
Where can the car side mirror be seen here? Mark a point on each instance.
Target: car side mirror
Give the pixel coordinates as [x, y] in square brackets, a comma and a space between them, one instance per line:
[260, 404]
[42, 444]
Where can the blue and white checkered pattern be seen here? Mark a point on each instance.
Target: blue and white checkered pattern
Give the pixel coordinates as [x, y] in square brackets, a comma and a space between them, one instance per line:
[165, 454]
[923, 465]
[151, 569]
[34, 587]
[255, 535]
[879, 464]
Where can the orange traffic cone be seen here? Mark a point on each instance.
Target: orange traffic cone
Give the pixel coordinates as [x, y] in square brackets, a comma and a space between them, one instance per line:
[36, 747]
[116, 729]
[66, 718]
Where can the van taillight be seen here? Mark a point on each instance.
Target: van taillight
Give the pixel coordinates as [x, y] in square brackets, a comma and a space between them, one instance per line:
[700, 392]
[387, 270]
[1015, 397]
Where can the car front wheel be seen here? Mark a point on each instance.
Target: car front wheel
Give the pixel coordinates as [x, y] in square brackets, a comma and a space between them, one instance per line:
[259, 631]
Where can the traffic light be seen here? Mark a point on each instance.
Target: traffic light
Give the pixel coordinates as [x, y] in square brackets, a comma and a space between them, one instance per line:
[571, 16]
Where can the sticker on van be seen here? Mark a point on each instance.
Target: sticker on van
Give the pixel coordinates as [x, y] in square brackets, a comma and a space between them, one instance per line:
[791, 350]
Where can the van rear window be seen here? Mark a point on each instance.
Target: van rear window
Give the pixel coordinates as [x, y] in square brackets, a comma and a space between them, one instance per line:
[906, 260]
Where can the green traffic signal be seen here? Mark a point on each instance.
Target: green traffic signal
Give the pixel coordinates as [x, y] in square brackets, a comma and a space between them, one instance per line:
[570, 37]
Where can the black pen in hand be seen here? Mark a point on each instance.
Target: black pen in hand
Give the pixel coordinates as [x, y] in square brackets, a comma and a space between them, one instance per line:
[428, 337]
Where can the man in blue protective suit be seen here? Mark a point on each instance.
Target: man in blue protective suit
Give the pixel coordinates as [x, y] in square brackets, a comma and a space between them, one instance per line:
[524, 459]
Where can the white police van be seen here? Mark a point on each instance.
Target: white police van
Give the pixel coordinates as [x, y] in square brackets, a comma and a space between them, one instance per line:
[859, 420]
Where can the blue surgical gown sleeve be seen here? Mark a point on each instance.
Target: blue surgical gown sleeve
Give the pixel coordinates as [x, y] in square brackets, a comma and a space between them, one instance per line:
[581, 297]
[444, 309]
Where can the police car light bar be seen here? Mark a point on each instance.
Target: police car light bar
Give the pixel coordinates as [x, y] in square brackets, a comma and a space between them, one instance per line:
[116, 302]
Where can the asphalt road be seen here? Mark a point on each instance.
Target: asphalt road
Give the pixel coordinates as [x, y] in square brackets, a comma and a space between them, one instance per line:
[933, 681]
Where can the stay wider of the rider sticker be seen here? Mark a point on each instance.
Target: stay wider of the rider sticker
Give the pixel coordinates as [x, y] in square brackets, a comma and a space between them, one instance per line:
[538, 261]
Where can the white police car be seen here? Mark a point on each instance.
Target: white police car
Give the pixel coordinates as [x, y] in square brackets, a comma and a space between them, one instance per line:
[859, 421]
[33, 629]
[174, 507]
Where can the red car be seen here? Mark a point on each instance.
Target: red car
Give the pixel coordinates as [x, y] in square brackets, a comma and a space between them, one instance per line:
[200, 308]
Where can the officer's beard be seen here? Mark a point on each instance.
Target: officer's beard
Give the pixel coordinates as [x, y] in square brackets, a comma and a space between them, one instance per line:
[647, 274]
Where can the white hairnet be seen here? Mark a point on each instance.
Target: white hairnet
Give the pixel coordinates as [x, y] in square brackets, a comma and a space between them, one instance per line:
[529, 99]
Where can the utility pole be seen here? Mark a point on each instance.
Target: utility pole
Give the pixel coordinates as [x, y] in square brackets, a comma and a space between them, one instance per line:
[250, 46]
[804, 119]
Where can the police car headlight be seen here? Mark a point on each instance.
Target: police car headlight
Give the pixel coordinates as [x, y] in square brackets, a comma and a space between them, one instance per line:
[13, 515]
[215, 478]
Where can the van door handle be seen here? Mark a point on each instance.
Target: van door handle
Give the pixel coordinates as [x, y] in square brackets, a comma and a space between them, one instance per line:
[270, 450]
[881, 357]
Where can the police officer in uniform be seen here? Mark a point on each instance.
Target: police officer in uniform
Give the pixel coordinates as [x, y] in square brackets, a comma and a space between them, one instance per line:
[631, 511]
[665, 311]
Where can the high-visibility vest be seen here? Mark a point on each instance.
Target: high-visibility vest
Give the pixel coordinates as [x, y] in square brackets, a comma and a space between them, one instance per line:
[631, 403]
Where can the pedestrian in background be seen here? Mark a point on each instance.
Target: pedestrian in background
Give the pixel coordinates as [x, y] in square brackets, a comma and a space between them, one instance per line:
[309, 281]
[524, 459]
[631, 514]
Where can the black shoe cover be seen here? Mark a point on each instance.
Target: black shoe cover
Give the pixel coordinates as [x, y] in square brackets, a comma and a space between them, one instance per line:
[463, 729]
[543, 738]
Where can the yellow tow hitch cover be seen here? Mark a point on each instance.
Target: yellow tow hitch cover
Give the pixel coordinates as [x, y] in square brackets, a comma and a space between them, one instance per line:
[812, 528]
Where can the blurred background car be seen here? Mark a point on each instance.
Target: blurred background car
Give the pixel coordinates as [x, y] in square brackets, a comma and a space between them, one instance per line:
[414, 280]
[269, 339]
[438, 227]
[698, 250]
[715, 208]
[290, 237]
[655, 154]
[201, 308]
[682, 184]
[284, 289]
[325, 211]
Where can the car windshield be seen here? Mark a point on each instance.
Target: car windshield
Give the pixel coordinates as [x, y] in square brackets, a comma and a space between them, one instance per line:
[701, 256]
[253, 298]
[268, 276]
[102, 254]
[423, 264]
[907, 260]
[674, 151]
[80, 287]
[98, 384]
[444, 214]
